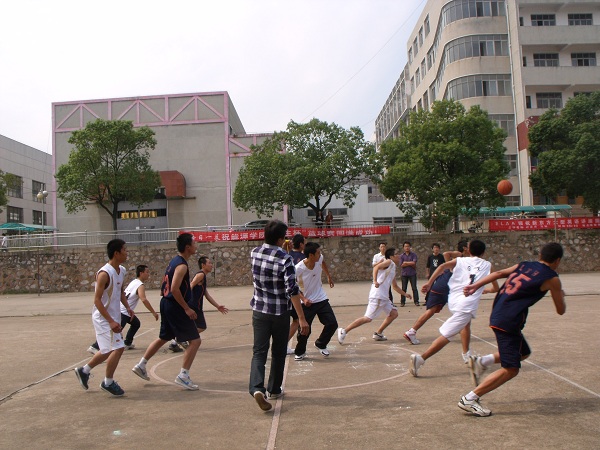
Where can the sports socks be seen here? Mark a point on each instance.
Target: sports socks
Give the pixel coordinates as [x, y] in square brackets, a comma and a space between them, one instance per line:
[184, 373]
[472, 396]
[108, 381]
[86, 369]
[142, 363]
[487, 360]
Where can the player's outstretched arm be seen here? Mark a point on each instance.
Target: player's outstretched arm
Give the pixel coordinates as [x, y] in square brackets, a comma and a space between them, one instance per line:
[399, 290]
[491, 278]
[447, 265]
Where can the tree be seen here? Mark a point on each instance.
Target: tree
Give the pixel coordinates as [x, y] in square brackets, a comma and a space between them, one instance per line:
[305, 166]
[444, 163]
[567, 145]
[108, 165]
[3, 186]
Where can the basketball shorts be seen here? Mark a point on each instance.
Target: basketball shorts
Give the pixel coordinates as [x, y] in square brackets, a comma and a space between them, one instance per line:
[512, 348]
[455, 323]
[377, 306]
[175, 323]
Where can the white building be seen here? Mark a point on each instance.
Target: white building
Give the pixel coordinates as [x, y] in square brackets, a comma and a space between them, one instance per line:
[514, 58]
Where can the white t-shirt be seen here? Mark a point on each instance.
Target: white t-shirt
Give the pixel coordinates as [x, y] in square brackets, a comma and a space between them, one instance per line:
[310, 281]
[468, 270]
[377, 258]
[384, 278]
[131, 292]
[111, 298]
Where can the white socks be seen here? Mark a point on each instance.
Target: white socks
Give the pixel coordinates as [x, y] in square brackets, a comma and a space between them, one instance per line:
[86, 369]
[472, 396]
[488, 360]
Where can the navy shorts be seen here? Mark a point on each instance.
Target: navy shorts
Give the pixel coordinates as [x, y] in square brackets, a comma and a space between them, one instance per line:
[433, 299]
[175, 323]
[512, 347]
[200, 320]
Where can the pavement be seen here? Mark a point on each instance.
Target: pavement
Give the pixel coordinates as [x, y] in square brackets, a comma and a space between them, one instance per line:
[362, 396]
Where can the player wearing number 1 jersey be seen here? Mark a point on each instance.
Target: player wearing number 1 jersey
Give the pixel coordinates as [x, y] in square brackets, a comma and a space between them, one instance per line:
[465, 271]
[527, 283]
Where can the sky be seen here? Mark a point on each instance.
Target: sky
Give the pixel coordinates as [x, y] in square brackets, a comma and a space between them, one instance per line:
[280, 60]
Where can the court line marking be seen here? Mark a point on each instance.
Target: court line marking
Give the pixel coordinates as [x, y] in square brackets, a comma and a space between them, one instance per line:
[277, 412]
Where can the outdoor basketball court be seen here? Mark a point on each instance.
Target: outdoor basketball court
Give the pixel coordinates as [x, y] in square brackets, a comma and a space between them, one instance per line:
[362, 396]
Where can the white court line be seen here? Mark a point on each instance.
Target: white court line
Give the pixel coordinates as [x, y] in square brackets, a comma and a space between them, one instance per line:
[277, 412]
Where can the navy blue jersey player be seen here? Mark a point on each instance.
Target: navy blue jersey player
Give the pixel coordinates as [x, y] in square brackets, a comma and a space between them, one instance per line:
[526, 284]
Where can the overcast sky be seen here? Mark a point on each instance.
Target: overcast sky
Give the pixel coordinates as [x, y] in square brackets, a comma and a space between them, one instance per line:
[280, 60]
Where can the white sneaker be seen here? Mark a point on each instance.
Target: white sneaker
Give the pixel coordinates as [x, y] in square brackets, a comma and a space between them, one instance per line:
[341, 336]
[262, 401]
[130, 347]
[93, 350]
[274, 396]
[466, 356]
[140, 372]
[290, 351]
[416, 361]
[412, 338]
[299, 357]
[474, 407]
[323, 351]
[379, 337]
[476, 368]
[186, 382]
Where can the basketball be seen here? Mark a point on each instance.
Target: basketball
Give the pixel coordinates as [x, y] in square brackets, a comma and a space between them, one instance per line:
[505, 187]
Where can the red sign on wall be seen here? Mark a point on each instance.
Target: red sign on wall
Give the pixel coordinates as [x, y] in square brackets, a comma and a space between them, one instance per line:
[572, 223]
[259, 235]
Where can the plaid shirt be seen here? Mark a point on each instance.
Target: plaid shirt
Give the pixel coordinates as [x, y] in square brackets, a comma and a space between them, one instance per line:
[274, 279]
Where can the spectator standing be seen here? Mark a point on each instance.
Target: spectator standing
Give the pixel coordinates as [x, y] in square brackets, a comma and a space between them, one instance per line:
[408, 263]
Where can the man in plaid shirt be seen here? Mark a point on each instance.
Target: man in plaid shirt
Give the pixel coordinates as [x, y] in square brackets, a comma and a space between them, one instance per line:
[275, 291]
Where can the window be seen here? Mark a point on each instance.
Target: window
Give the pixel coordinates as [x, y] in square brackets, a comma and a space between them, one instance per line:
[479, 86]
[505, 121]
[513, 200]
[580, 19]
[37, 218]
[583, 59]
[334, 211]
[420, 105]
[14, 214]
[545, 59]
[423, 68]
[432, 92]
[520, 21]
[548, 99]
[416, 46]
[528, 101]
[524, 61]
[543, 20]
[37, 187]
[418, 77]
[426, 24]
[464, 9]
[512, 162]
[410, 56]
[142, 214]
[426, 101]
[421, 37]
[14, 186]
[430, 59]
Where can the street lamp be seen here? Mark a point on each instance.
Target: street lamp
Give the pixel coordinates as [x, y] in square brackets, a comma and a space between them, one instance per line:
[41, 196]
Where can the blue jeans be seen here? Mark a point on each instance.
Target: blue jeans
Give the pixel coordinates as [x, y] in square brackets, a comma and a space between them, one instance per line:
[267, 326]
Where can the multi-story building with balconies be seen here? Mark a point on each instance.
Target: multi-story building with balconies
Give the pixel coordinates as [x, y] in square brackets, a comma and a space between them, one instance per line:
[514, 58]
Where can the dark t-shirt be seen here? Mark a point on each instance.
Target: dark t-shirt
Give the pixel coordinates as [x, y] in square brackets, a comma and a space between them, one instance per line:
[433, 262]
[184, 287]
[296, 256]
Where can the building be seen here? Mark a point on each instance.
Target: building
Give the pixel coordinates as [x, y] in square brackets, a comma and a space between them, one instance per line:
[200, 147]
[32, 174]
[514, 58]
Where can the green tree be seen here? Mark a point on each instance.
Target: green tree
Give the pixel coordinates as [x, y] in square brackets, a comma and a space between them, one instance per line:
[567, 145]
[444, 163]
[108, 165]
[3, 186]
[305, 166]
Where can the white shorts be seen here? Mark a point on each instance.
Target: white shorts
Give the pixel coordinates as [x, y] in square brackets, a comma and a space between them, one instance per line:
[107, 339]
[455, 323]
[376, 306]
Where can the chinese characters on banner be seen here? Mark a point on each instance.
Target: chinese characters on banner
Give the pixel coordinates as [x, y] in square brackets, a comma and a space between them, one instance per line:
[259, 235]
[572, 223]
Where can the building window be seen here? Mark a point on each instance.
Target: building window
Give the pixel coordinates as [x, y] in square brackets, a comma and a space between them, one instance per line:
[426, 100]
[418, 77]
[475, 46]
[423, 68]
[14, 214]
[580, 19]
[430, 59]
[543, 20]
[421, 37]
[545, 59]
[528, 101]
[37, 218]
[464, 9]
[512, 162]
[513, 200]
[583, 59]
[142, 214]
[504, 121]
[432, 92]
[416, 46]
[426, 24]
[410, 56]
[479, 86]
[36, 188]
[520, 21]
[548, 99]
[14, 186]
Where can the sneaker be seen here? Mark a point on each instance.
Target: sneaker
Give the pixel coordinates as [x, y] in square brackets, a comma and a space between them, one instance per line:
[476, 368]
[175, 348]
[140, 372]
[93, 350]
[299, 357]
[416, 361]
[323, 351]
[379, 337]
[113, 388]
[271, 396]
[474, 407]
[290, 351]
[262, 401]
[82, 377]
[466, 356]
[341, 336]
[186, 382]
[184, 344]
[412, 338]
[129, 347]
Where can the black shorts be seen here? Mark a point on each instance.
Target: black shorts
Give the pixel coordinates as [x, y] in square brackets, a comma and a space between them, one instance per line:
[433, 299]
[175, 323]
[512, 347]
[200, 320]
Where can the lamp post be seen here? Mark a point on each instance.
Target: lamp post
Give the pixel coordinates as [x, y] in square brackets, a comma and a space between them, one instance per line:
[41, 196]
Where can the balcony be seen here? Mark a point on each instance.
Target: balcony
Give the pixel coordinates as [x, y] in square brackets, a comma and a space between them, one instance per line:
[561, 35]
[561, 78]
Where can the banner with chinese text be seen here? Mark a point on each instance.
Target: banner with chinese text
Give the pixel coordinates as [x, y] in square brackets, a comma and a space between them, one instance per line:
[568, 223]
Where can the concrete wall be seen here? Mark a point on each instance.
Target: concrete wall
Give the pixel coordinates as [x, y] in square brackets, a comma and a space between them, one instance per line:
[349, 259]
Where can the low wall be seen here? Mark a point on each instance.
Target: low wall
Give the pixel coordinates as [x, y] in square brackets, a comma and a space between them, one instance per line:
[349, 259]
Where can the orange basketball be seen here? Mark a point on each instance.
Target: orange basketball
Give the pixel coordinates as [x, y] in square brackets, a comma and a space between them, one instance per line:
[505, 187]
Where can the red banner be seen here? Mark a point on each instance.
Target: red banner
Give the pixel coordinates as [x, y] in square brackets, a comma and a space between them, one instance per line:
[570, 223]
[259, 235]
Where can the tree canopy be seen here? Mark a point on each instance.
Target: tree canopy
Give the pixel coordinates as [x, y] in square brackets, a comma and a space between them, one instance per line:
[305, 166]
[108, 165]
[444, 163]
[567, 145]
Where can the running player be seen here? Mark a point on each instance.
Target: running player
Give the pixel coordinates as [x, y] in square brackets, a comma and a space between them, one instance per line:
[527, 283]
[199, 291]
